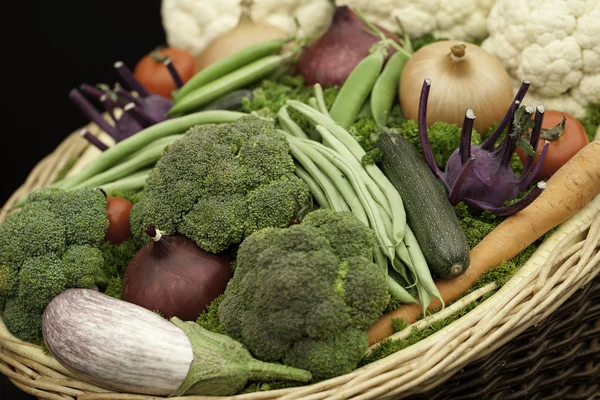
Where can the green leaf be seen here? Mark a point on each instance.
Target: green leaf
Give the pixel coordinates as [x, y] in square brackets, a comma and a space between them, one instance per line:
[554, 132]
[525, 146]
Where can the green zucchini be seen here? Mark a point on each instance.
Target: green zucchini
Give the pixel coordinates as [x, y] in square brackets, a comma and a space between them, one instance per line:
[428, 211]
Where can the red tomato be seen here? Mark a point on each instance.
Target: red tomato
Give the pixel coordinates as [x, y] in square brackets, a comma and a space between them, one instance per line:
[152, 73]
[118, 219]
[561, 150]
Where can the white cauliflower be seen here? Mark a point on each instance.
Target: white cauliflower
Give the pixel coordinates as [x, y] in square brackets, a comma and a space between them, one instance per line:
[456, 19]
[555, 44]
[193, 24]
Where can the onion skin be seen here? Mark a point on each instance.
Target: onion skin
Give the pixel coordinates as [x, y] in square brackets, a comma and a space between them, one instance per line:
[244, 35]
[175, 277]
[479, 82]
[330, 59]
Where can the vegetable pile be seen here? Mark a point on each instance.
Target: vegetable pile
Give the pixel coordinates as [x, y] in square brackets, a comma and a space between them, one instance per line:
[262, 222]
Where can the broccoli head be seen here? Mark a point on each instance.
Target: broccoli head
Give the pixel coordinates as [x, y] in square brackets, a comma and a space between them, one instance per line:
[220, 183]
[51, 244]
[306, 295]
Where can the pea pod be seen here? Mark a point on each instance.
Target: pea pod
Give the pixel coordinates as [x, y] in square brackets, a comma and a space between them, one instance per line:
[386, 88]
[356, 89]
[228, 65]
[228, 83]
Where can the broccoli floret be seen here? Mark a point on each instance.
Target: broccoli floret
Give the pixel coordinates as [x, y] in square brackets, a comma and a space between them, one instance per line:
[221, 182]
[83, 267]
[22, 322]
[306, 294]
[40, 280]
[46, 247]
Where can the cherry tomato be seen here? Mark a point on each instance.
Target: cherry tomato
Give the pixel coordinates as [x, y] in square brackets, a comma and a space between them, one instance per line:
[572, 139]
[153, 74]
[118, 219]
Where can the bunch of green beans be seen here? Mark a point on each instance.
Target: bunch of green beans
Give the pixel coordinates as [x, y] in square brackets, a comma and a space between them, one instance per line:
[333, 171]
[229, 74]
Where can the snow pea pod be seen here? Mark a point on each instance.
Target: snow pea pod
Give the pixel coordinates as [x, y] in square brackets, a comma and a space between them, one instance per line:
[386, 88]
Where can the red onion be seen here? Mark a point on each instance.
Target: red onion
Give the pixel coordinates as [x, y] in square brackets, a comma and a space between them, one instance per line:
[330, 59]
[174, 276]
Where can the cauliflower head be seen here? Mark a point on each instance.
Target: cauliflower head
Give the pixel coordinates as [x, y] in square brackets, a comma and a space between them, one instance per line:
[555, 45]
[221, 182]
[458, 19]
[306, 295]
[50, 245]
[193, 24]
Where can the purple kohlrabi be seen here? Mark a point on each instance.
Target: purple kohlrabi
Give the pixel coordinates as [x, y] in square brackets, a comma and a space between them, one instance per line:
[129, 111]
[481, 176]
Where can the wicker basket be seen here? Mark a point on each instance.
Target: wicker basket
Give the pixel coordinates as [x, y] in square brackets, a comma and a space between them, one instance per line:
[454, 357]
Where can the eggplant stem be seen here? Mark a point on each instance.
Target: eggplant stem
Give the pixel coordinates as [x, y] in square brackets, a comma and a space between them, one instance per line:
[489, 143]
[91, 113]
[140, 116]
[535, 138]
[423, 136]
[460, 179]
[527, 178]
[173, 71]
[465, 136]
[93, 140]
[514, 208]
[127, 76]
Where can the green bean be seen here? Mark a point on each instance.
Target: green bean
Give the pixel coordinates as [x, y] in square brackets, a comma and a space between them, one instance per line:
[333, 142]
[386, 88]
[133, 143]
[369, 206]
[420, 265]
[397, 206]
[230, 64]
[337, 177]
[313, 103]
[399, 292]
[356, 89]
[320, 99]
[227, 83]
[288, 124]
[314, 188]
[146, 158]
[332, 195]
[135, 181]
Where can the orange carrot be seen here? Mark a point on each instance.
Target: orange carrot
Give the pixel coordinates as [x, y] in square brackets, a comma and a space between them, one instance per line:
[567, 191]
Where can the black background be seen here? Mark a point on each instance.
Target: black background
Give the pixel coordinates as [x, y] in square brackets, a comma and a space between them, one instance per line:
[53, 47]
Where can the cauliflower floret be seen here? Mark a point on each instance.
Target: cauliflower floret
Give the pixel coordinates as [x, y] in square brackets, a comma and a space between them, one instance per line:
[313, 15]
[459, 19]
[556, 46]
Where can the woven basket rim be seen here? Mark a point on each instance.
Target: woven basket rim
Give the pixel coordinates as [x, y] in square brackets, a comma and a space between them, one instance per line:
[522, 302]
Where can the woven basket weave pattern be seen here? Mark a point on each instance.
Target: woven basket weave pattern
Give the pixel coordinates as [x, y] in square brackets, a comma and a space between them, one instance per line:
[524, 301]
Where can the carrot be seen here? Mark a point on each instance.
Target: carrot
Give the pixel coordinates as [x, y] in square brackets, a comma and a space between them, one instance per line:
[573, 186]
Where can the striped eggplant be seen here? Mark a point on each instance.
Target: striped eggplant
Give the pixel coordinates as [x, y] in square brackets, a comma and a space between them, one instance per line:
[124, 347]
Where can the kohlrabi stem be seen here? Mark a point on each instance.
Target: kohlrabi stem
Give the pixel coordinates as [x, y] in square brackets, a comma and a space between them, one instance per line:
[465, 136]
[535, 138]
[93, 140]
[91, 91]
[460, 179]
[423, 136]
[109, 105]
[510, 143]
[490, 142]
[173, 71]
[526, 179]
[140, 116]
[128, 96]
[91, 113]
[510, 209]
[126, 74]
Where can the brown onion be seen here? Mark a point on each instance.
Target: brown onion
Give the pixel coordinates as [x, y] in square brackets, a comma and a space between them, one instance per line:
[330, 58]
[174, 276]
[463, 76]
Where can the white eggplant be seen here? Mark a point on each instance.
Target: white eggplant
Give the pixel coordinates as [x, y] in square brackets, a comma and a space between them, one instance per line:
[124, 347]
